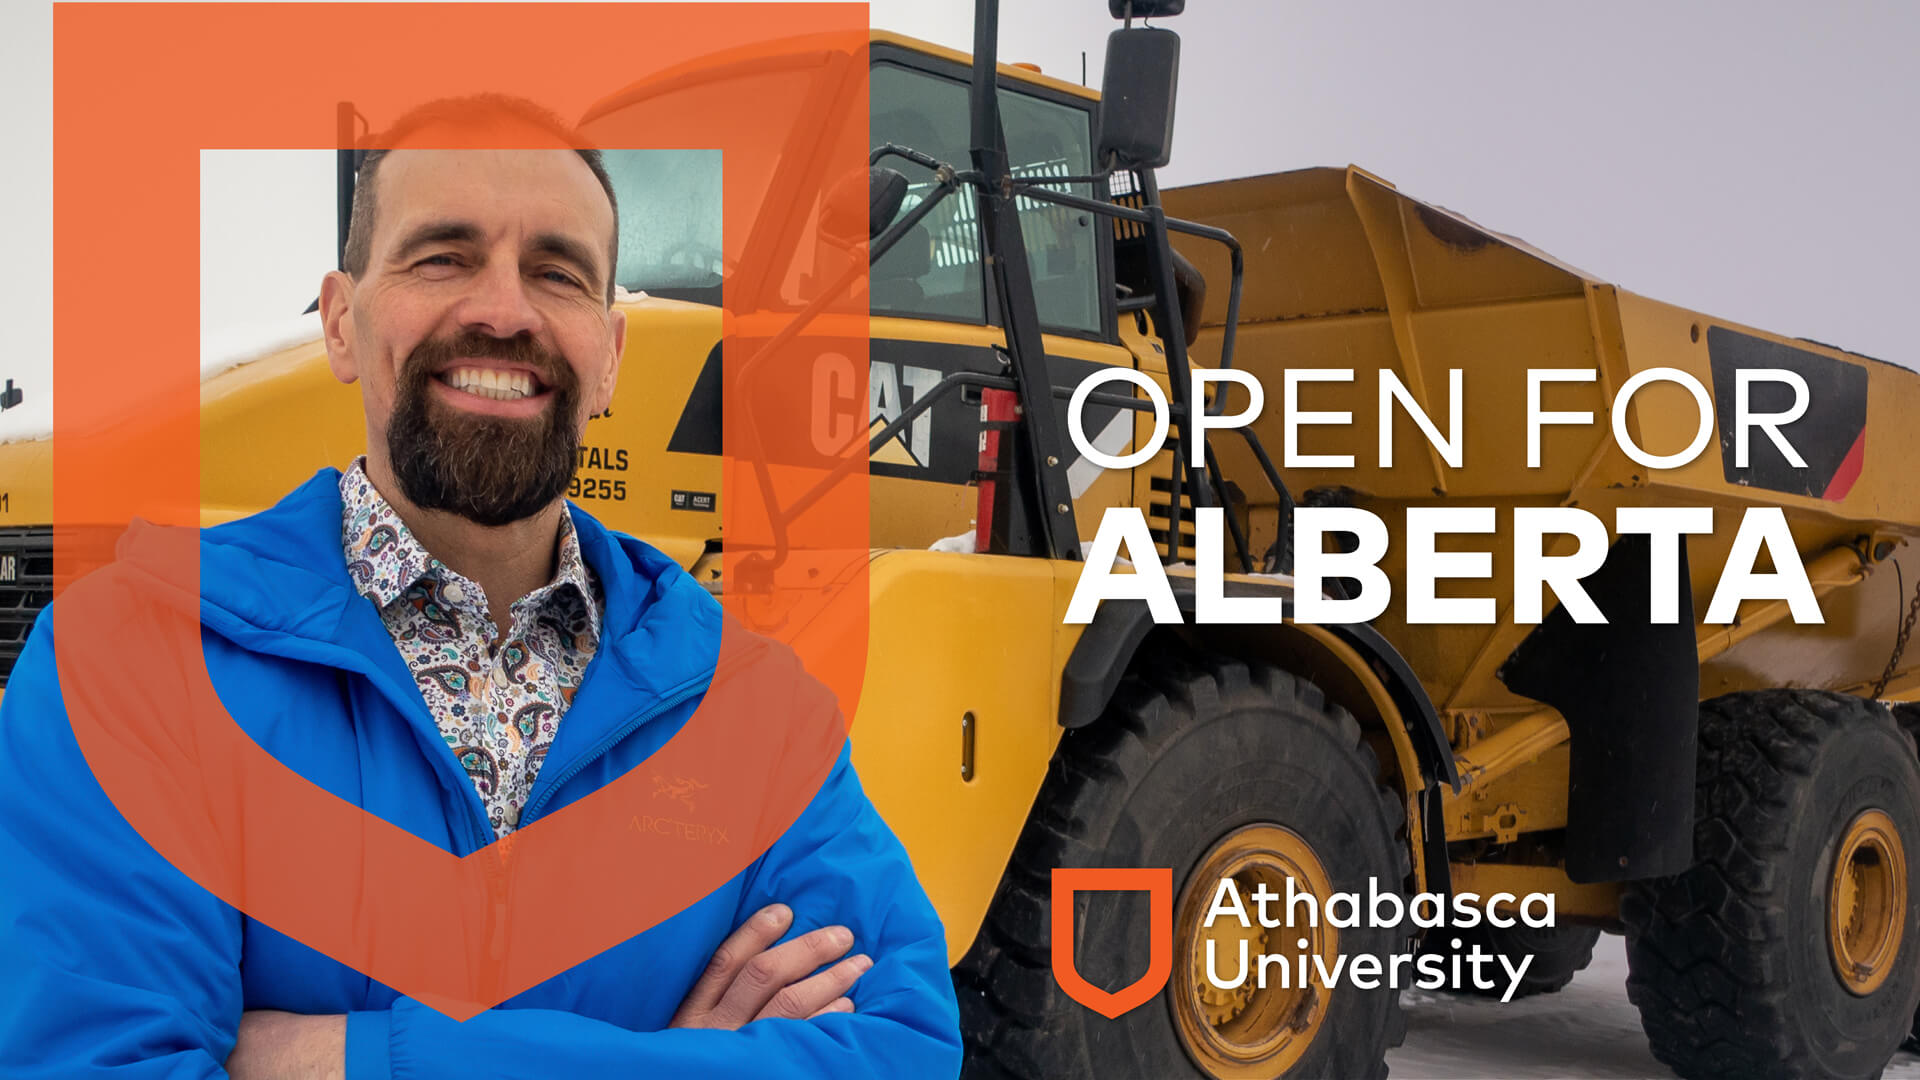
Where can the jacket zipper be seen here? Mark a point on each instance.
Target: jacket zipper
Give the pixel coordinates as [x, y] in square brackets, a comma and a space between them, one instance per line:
[497, 870]
[681, 694]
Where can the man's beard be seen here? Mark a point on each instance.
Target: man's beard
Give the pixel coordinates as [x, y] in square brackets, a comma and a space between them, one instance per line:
[491, 470]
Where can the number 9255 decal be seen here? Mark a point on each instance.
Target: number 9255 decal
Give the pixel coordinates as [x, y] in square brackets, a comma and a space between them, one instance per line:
[592, 487]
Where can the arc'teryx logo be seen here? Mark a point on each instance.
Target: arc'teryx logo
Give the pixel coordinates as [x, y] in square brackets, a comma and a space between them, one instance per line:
[680, 789]
[1157, 883]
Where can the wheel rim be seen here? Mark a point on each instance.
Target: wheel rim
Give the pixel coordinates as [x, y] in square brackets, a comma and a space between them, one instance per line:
[1251, 1031]
[1867, 902]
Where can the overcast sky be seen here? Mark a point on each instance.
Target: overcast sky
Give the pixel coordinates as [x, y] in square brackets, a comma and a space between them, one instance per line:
[1751, 159]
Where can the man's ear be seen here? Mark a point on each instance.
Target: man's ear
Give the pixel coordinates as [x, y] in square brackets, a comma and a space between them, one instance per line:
[603, 395]
[336, 325]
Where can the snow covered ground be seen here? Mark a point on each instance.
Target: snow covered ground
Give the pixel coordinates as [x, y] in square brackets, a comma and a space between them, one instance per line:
[1588, 1031]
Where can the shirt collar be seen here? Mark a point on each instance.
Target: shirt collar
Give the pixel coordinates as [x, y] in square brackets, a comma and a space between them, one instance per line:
[385, 559]
[573, 570]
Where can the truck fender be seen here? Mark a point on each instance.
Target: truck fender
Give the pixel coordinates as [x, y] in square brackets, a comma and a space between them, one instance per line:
[1106, 650]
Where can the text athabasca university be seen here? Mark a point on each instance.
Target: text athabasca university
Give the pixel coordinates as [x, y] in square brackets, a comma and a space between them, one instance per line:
[1303, 931]
[1762, 538]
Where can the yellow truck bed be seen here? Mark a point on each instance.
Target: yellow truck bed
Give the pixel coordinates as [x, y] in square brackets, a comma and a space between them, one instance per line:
[1345, 272]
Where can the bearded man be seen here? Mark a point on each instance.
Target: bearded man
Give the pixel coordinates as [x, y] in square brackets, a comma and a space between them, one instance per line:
[437, 636]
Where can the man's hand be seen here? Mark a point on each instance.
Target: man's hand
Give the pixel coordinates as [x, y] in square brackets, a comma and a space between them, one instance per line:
[749, 978]
[746, 980]
[288, 1046]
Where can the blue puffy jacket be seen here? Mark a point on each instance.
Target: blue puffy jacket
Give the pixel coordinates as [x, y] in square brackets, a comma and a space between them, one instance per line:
[114, 963]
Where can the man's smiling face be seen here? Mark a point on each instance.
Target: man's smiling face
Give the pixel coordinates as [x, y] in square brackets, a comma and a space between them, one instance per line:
[480, 327]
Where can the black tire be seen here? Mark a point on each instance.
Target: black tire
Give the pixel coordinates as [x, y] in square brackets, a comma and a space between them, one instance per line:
[1907, 715]
[1559, 952]
[1185, 755]
[1730, 962]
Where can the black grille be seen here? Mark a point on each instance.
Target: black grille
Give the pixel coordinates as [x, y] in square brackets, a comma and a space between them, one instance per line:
[1123, 188]
[1157, 519]
[31, 588]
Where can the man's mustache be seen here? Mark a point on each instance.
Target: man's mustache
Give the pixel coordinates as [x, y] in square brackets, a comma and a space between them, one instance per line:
[435, 355]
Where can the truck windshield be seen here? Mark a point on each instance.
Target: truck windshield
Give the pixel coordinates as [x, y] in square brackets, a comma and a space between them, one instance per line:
[670, 216]
[672, 200]
[935, 271]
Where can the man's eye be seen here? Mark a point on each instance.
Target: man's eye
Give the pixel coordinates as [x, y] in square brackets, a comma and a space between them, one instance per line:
[560, 277]
[436, 260]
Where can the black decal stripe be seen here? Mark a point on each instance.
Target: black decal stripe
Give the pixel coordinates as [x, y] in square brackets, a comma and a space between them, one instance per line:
[1830, 436]
[698, 431]
[954, 424]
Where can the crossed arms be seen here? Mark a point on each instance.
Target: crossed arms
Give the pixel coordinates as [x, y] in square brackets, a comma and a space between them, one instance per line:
[118, 965]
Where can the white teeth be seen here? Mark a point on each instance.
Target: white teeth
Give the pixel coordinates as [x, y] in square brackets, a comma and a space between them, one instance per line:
[491, 383]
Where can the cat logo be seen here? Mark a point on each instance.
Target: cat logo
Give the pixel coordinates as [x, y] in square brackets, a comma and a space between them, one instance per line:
[913, 446]
[891, 390]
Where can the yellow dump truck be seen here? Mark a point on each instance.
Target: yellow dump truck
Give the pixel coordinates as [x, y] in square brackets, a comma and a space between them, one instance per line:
[1740, 798]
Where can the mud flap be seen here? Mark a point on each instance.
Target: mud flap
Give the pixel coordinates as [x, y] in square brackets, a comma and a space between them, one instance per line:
[1630, 692]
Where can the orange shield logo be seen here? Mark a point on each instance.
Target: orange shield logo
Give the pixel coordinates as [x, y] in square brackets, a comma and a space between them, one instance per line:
[1157, 883]
[459, 934]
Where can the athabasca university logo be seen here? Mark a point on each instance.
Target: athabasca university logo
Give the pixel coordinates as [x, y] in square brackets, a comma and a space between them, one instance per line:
[1157, 883]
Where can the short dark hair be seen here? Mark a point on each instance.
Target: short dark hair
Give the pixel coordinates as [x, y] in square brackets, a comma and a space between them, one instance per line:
[468, 112]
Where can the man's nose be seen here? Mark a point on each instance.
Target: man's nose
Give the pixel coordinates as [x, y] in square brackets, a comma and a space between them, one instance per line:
[499, 303]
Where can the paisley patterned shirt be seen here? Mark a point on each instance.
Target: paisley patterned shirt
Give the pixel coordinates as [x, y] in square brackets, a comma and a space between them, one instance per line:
[497, 700]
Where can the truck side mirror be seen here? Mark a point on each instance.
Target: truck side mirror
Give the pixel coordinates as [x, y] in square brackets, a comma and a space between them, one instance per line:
[1136, 98]
[886, 190]
[1145, 9]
